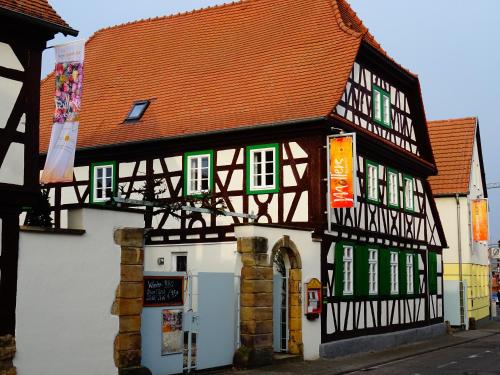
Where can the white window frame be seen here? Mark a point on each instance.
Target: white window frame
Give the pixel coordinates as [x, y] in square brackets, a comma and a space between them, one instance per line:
[409, 195]
[377, 99]
[386, 103]
[198, 180]
[253, 165]
[393, 188]
[409, 274]
[174, 260]
[372, 173]
[372, 272]
[394, 262]
[348, 270]
[105, 168]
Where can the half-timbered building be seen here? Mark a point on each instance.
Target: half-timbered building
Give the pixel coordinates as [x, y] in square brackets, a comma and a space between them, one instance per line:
[25, 27]
[239, 100]
[460, 181]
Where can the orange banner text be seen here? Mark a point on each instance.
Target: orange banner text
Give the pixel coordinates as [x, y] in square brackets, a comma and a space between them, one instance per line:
[341, 172]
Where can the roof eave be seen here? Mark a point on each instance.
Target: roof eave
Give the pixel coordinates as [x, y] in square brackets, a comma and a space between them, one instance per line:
[38, 21]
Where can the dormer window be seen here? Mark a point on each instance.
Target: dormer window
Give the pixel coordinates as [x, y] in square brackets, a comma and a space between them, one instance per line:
[137, 111]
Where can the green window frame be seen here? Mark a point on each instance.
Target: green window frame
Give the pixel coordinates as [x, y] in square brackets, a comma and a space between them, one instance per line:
[432, 272]
[195, 178]
[372, 184]
[262, 169]
[409, 193]
[106, 172]
[395, 272]
[392, 191]
[381, 106]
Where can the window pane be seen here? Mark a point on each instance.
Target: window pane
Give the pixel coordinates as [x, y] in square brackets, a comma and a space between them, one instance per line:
[204, 162]
[204, 184]
[269, 180]
[99, 172]
[269, 167]
[376, 104]
[204, 173]
[387, 110]
[257, 157]
[269, 156]
[181, 263]
[109, 192]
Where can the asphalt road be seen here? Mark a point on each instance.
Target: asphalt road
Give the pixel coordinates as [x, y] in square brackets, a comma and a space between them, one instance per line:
[479, 357]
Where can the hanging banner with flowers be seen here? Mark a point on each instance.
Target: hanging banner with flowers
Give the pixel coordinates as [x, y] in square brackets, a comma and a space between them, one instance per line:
[479, 208]
[68, 95]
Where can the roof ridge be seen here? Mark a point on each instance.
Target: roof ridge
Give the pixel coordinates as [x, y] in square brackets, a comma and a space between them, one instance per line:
[453, 119]
[167, 16]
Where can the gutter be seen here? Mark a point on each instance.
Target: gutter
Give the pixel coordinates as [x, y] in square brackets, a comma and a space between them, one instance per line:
[38, 21]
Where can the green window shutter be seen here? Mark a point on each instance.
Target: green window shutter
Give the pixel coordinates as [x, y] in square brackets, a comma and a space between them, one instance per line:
[432, 272]
[339, 269]
[384, 272]
[361, 271]
[416, 275]
[402, 273]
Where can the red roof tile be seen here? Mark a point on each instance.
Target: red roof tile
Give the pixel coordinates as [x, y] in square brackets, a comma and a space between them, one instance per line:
[39, 9]
[452, 143]
[236, 65]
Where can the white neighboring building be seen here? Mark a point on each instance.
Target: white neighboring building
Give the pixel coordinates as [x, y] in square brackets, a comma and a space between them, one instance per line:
[461, 178]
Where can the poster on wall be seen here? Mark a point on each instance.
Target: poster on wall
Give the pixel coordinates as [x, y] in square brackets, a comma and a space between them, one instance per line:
[172, 341]
[341, 171]
[479, 208]
[68, 75]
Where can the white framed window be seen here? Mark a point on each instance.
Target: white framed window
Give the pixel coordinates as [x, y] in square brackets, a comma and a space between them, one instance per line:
[198, 172]
[372, 181]
[392, 188]
[348, 269]
[372, 271]
[409, 193]
[409, 274]
[102, 179]
[262, 169]
[179, 262]
[394, 273]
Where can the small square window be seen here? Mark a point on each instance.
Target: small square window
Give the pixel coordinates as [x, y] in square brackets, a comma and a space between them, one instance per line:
[381, 106]
[262, 169]
[102, 182]
[179, 262]
[137, 111]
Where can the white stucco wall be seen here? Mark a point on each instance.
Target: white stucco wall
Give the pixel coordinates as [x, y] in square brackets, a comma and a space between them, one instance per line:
[310, 254]
[66, 287]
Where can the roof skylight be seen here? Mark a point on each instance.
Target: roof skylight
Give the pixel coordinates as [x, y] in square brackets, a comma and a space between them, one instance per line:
[137, 111]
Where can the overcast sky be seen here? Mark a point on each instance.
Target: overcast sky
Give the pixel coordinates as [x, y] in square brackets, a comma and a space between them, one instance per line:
[451, 44]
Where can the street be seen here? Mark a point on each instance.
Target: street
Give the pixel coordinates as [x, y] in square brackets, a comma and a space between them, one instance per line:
[476, 357]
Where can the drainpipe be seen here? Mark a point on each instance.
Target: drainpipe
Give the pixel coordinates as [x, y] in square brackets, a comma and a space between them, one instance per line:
[460, 275]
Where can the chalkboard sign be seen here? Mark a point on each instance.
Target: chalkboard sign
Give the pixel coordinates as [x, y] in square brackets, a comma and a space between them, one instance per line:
[163, 290]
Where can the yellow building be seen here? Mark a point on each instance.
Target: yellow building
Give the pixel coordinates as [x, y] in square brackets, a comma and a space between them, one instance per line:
[456, 145]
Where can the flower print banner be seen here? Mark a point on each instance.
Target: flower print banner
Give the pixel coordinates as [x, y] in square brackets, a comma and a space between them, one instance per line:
[68, 95]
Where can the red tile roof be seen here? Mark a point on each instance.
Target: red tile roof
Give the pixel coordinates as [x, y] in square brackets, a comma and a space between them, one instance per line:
[39, 9]
[243, 64]
[453, 143]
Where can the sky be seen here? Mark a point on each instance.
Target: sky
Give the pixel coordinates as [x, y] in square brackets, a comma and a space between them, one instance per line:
[451, 44]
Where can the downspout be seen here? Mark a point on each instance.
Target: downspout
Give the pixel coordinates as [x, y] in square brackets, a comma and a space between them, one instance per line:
[460, 274]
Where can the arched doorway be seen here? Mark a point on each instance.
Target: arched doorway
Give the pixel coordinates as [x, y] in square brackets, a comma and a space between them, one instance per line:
[287, 301]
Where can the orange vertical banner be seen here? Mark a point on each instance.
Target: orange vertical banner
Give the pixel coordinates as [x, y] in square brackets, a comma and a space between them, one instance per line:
[341, 170]
[479, 208]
